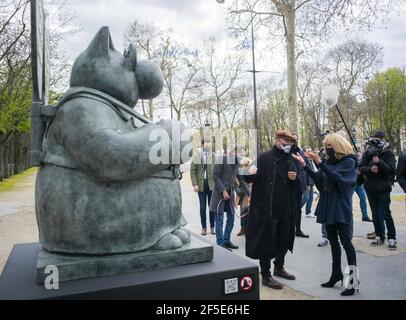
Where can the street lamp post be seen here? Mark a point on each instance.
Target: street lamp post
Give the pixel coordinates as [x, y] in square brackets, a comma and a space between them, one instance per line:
[254, 83]
[254, 79]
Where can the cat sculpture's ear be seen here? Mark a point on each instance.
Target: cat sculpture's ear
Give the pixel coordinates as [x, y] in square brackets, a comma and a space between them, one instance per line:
[131, 55]
[101, 43]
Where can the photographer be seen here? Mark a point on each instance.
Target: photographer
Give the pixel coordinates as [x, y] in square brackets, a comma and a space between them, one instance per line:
[378, 167]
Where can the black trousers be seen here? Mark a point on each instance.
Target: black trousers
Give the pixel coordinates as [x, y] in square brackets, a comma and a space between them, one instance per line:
[381, 214]
[299, 212]
[281, 231]
[334, 233]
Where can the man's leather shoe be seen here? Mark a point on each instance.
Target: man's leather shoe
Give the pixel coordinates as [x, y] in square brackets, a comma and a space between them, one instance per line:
[272, 283]
[300, 234]
[283, 274]
[241, 233]
[230, 245]
[225, 247]
[371, 236]
[366, 219]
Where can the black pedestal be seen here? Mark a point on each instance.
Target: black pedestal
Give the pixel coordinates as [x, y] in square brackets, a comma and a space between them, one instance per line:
[202, 281]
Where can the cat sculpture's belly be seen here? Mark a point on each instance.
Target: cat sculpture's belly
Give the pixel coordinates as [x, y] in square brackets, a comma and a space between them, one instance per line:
[83, 216]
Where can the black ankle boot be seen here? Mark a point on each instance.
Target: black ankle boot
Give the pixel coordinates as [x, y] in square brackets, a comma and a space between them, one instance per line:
[351, 291]
[333, 280]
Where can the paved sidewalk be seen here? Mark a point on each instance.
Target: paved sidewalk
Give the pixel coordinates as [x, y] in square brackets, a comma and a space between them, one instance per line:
[382, 272]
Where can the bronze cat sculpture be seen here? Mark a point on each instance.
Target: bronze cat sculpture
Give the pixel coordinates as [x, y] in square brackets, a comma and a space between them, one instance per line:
[97, 191]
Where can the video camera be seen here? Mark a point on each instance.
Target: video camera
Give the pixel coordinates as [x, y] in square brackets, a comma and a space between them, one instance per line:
[374, 146]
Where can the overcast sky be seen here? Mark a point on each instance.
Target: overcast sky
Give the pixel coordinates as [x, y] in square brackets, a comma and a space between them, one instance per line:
[191, 20]
[194, 20]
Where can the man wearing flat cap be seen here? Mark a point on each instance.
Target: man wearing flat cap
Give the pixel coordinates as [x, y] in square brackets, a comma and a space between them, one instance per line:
[271, 223]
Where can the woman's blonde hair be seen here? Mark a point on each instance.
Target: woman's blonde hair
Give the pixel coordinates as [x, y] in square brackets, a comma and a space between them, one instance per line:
[341, 145]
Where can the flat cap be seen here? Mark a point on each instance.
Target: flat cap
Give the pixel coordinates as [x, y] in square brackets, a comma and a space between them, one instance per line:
[285, 134]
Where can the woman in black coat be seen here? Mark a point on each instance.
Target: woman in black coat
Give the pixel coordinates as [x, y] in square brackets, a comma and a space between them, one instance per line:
[336, 182]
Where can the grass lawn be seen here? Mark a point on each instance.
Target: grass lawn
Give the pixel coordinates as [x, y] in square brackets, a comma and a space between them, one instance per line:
[8, 184]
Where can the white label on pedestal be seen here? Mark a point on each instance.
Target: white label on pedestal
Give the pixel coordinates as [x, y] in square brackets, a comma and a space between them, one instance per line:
[231, 285]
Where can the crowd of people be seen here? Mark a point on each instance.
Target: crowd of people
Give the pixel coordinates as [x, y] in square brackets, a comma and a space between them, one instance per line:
[271, 194]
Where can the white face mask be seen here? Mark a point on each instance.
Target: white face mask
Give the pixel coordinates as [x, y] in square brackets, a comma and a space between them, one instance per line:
[286, 147]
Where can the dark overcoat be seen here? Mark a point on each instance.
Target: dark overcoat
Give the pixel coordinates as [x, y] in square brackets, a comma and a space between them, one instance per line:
[267, 199]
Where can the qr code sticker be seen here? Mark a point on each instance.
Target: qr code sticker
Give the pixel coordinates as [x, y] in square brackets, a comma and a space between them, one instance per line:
[231, 285]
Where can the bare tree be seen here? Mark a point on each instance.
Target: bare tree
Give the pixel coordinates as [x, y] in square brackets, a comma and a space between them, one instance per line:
[181, 83]
[348, 64]
[236, 103]
[198, 113]
[307, 20]
[152, 43]
[273, 112]
[312, 78]
[220, 72]
[177, 63]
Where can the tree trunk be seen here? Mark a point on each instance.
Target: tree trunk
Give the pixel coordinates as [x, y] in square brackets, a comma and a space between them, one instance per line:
[398, 142]
[5, 159]
[218, 113]
[27, 151]
[11, 155]
[1, 162]
[291, 66]
[17, 151]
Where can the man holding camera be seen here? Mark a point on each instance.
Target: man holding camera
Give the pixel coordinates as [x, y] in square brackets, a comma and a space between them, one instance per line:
[378, 167]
